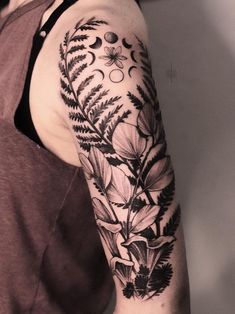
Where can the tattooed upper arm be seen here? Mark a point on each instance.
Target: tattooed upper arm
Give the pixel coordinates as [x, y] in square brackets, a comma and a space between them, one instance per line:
[112, 108]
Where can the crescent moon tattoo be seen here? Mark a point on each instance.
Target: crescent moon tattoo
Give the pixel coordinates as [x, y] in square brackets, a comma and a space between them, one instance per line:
[93, 57]
[125, 44]
[97, 44]
[131, 68]
[133, 56]
[100, 71]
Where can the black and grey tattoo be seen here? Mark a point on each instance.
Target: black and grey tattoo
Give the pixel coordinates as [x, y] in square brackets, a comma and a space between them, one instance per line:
[127, 163]
[114, 56]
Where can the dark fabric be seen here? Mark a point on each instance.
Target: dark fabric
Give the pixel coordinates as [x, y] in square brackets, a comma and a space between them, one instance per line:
[23, 119]
[51, 258]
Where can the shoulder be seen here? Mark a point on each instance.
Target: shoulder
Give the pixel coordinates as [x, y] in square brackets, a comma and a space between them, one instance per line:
[104, 72]
[103, 43]
[120, 17]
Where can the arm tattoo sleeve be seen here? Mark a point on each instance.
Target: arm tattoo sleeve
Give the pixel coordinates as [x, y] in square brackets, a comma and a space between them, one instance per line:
[112, 107]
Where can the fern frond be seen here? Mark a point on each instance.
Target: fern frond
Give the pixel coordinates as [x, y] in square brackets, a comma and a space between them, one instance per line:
[165, 254]
[135, 101]
[90, 24]
[66, 39]
[78, 24]
[62, 70]
[166, 196]
[142, 47]
[108, 118]
[85, 146]
[159, 155]
[82, 129]
[76, 48]
[112, 126]
[77, 116]
[141, 44]
[165, 199]
[84, 84]
[173, 223]
[71, 103]
[94, 22]
[105, 148]
[99, 109]
[145, 58]
[88, 139]
[149, 84]
[90, 95]
[146, 69]
[86, 28]
[74, 61]
[65, 86]
[79, 38]
[62, 53]
[95, 101]
[114, 161]
[143, 94]
[77, 72]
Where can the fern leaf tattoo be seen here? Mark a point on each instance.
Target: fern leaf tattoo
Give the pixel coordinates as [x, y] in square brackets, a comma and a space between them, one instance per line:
[126, 162]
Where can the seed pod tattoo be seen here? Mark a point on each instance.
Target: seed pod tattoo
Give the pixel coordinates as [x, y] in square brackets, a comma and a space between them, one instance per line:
[126, 162]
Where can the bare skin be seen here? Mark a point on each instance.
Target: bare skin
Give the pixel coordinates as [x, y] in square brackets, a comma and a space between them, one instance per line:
[45, 103]
[50, 117]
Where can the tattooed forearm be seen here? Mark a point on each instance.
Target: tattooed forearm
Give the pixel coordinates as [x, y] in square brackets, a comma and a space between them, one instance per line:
[123, 153]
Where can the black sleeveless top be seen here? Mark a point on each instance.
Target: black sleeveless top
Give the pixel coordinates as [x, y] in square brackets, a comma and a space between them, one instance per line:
[23, 118]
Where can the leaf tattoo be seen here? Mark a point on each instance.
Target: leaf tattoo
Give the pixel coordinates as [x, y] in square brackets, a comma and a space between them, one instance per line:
[91, 105]
[126, 162]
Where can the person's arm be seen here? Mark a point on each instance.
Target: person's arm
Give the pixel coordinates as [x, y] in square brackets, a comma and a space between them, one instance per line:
[111, 107]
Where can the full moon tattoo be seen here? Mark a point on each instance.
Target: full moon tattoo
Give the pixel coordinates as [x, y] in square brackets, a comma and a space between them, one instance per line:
[127, 163]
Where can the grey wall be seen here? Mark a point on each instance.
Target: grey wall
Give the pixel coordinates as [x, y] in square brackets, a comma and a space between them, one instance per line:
[193, 55]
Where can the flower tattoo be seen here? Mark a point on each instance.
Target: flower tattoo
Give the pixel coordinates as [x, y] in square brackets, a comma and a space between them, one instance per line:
[114, 56]
[126, 164]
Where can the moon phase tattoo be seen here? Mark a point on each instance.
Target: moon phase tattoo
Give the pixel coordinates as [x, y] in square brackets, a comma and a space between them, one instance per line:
[113, 56]
[125, 44]
[97, 44]
[133, 56]
[116, 76]
[131, 68]
[100, 71]
[111, 37]
[93, 57]
[123, 151]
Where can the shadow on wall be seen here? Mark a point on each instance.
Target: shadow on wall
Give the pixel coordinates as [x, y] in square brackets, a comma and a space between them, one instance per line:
[194, 67]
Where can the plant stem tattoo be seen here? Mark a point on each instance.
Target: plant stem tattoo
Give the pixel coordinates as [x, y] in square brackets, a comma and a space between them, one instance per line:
[126, 162]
